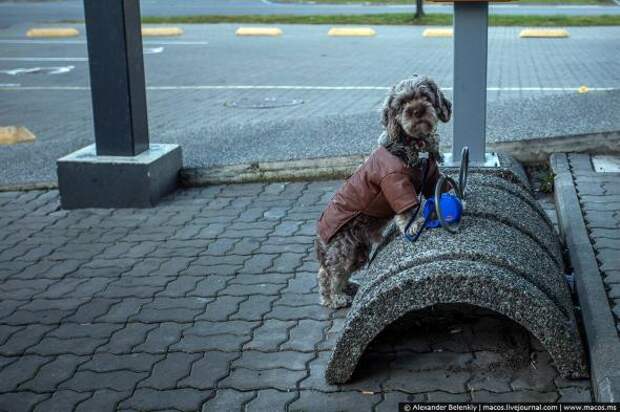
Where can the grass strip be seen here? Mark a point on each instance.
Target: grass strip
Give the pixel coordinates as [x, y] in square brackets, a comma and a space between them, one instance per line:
[382, 2]
[391, 19]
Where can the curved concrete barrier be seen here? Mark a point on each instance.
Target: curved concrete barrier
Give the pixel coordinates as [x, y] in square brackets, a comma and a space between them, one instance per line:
[506, 258]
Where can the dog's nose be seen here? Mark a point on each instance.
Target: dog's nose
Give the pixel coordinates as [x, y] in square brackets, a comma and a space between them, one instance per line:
[419, 110]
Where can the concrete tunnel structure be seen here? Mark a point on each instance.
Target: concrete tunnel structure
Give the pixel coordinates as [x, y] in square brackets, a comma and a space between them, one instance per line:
[506, 258]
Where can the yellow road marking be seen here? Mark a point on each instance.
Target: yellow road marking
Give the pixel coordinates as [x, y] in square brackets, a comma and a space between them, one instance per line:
[161, 31]
[15, 134]
[351, 32]
[53, 32]
[583, 89]
[544, 33]
[258, 31]
[443, 32]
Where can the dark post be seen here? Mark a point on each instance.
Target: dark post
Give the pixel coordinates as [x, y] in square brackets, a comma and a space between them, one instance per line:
[117, 76]
[121, 169]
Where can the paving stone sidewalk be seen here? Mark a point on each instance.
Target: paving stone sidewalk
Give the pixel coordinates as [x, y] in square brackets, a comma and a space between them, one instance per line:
[599, 196]
[208, 302]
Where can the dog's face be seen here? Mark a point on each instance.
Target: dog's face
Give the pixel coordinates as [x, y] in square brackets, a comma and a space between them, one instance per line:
[413, 109]
[417, 117]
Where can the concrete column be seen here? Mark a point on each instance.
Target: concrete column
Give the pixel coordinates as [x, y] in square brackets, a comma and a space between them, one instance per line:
[470, 79]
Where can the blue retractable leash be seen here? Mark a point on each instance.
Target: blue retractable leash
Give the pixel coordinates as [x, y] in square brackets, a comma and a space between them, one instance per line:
[448, 206]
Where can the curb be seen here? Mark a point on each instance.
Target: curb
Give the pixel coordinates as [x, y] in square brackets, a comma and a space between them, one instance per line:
[543, 34]
[307, 169]
[351, 32]
[441, 32]
[52, 32]
[10, 135]
[603, 342]
[27, 187]
[259, 31]
[296, 170]
[341, 167]
[161, 31]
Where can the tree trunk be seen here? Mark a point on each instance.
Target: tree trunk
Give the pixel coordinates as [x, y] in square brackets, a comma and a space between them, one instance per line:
[419, 8]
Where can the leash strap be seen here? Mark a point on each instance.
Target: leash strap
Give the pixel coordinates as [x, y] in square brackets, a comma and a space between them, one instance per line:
[413, 238]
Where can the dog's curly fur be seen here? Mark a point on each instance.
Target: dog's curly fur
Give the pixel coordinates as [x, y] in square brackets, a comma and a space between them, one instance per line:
[410, 115]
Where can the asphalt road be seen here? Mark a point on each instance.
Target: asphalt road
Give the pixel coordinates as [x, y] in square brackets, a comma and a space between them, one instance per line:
[232, 100]
[20, 12]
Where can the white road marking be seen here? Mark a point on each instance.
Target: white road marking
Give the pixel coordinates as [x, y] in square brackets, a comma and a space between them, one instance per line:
[146, 42]
[266, 87]
[43, 59]
[9, 85]
[281, 87]
[49, 70]
[152, 50]
[147, 50]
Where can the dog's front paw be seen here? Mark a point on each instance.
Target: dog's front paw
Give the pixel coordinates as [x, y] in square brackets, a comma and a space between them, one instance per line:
[325, 301]
[416, 226]
[341, 301]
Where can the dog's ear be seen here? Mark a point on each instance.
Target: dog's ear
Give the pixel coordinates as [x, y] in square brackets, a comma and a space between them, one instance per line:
[443, 106]
[394, 131]
[389, 117]
[385, 113]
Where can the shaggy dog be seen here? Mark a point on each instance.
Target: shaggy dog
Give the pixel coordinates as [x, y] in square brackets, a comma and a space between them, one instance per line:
[385, 187]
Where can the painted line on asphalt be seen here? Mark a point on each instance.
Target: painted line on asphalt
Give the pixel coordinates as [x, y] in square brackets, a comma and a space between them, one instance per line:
[12, 86]
[49, 70]
[43, 59]
[146, 50]
[146, 42]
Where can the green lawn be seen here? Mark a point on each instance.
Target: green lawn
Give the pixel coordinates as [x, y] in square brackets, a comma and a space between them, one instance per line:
[393, 19]
[598, 2]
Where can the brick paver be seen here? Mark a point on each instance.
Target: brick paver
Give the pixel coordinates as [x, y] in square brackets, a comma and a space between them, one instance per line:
[599, 196]
[208, 302]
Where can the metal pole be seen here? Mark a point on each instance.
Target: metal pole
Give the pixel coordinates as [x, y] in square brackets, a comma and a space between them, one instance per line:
[117, 82]
[470, 79]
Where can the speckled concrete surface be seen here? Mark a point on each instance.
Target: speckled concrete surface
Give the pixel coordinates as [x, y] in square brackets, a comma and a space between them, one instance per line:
[506, 261]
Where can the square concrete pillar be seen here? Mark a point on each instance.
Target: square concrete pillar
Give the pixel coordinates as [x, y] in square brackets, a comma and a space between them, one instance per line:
[87, 180]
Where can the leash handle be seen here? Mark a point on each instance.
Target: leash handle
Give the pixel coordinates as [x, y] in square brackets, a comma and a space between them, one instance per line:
[458, 188]
[452, 228]
[464, 170]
